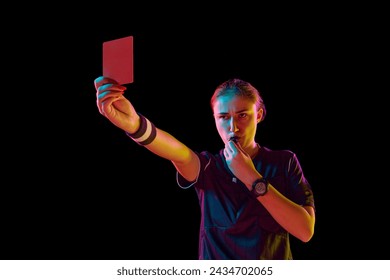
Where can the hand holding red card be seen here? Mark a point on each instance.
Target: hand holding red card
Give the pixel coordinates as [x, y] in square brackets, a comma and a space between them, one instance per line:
[118, 60]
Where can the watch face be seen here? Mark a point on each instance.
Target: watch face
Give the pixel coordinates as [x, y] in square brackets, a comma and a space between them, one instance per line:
[260, 187]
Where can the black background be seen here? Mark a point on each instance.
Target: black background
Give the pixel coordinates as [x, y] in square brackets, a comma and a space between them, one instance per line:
[75, 187]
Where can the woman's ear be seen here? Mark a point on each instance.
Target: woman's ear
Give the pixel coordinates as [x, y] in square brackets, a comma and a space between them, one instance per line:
[259, 116]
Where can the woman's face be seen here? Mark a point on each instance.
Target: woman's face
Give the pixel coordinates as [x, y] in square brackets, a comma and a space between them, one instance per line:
[236, 116]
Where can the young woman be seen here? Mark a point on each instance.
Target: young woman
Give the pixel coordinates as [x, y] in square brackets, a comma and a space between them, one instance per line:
[251, 197]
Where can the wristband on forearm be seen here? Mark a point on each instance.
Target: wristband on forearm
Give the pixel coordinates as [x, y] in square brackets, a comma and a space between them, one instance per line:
[146, 132]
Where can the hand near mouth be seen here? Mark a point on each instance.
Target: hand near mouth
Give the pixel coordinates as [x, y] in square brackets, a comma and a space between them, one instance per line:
[234, 139]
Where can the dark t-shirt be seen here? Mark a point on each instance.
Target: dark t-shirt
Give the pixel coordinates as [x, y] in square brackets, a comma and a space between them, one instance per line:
[234, 224]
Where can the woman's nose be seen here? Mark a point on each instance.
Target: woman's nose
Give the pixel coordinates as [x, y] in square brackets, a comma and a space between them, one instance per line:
[233, 126]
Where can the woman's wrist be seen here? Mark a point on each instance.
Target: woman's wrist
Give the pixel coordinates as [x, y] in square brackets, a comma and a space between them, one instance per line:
[146, 132]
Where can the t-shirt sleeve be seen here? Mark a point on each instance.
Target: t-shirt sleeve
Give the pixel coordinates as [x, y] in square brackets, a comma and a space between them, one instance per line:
[301, 191]
[204, 161]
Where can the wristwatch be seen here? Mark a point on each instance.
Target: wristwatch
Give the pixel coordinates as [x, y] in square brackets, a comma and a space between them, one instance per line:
[260, 187]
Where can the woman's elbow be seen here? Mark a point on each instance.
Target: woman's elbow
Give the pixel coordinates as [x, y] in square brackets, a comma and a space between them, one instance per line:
[307, 235]
[307, 232]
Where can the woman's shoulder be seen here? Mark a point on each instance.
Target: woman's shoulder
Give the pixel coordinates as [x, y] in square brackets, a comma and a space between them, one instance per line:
[277, 154]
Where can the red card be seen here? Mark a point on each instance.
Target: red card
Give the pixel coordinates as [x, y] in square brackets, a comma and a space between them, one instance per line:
[118, 60]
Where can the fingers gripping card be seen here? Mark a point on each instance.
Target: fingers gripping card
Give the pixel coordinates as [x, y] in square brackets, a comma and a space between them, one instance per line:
[118, 60]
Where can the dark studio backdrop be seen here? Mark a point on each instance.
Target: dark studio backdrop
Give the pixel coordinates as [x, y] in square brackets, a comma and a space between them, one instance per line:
[78, 188]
